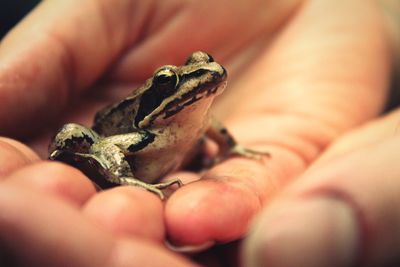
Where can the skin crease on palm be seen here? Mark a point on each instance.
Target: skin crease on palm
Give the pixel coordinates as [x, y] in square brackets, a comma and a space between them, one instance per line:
[303, 73]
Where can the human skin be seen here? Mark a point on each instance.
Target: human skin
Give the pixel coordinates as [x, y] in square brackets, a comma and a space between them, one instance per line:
[342, 210]
[313, 72]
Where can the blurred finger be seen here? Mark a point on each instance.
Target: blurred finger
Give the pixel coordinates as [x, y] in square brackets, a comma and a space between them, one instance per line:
[14, 155]
[55, 178]
[38, 230]
[177, 19]
[128, 211]
[45, 57]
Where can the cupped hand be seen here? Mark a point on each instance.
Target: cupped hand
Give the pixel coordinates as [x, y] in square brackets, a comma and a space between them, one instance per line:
[304, 72]
[49, 216]
[342, 211]
[62, 49]
[321, 75]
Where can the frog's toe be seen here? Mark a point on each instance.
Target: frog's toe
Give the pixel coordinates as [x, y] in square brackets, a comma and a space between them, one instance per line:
[54, 155]
[59, 154]
[168, 184]
[248, 153]
[154, 188]
[156, 191]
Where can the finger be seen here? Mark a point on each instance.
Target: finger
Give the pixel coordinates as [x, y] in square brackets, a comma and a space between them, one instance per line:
[302, 76]
[55, 178]
[14, 155]
[372, 132]
[45, 57]
[342, 213]
[175, 23]
[128, 211]
[220, 206]
[68, 239]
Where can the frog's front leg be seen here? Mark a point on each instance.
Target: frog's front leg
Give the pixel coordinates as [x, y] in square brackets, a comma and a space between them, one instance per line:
[227, 144]
[112, 151]
[72, 138]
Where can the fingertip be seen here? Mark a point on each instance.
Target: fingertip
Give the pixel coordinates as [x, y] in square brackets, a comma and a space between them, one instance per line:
[14, 155]
[129, 211]
[40, 230]
[28, 152]
[57, 179]
[209, 210]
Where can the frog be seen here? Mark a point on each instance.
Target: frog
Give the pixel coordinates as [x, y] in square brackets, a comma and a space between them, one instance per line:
[151, 132]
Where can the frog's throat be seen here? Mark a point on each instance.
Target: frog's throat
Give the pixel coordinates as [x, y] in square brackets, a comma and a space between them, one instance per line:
[182, 101]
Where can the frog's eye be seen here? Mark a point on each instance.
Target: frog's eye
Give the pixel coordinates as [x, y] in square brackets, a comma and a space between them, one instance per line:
[166, 77]
[199, 57]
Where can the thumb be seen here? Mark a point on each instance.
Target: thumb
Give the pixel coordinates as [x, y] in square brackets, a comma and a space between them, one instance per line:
[342, 212]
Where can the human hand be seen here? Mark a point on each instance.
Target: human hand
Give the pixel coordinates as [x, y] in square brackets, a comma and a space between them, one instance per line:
[49, 217]
[294, 100]
[342, 211]
[40, 79]
[118, 44]
[295, 92]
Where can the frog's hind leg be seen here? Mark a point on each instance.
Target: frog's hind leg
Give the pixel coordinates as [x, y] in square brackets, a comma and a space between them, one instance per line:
[155, 188]
[73, 138]
[227, 144]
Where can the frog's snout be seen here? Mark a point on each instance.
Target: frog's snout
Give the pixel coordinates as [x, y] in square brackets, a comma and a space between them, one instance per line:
[224, 73]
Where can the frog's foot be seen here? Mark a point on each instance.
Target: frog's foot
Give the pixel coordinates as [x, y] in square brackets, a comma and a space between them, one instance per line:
[238, 151]
[241, 151]
[154, 188]
[59, 154]
[168, 184]
[138, 183]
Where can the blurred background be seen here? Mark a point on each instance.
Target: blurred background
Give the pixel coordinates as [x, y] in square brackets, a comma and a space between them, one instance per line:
[12, 11]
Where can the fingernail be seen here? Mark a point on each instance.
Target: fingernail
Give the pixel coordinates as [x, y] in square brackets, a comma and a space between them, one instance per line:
[189, 248]
[317, 232]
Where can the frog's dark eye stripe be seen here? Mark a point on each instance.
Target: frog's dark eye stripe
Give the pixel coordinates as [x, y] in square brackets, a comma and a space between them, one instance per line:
[194, 74]
[165, 83]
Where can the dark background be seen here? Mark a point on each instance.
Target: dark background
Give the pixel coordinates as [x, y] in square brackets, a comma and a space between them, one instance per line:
[12, 11]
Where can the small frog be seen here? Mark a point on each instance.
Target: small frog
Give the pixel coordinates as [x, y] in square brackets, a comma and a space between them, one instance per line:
[149, 134]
